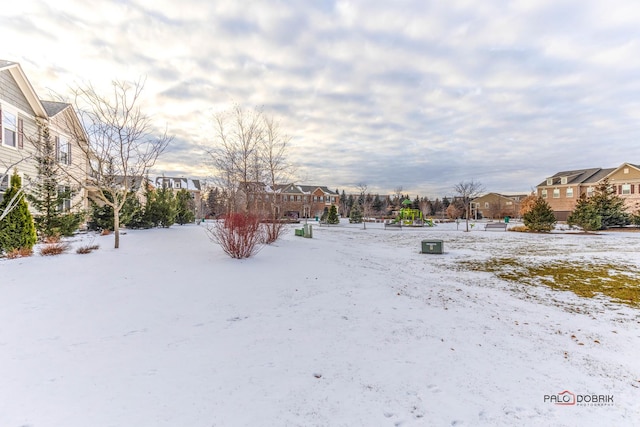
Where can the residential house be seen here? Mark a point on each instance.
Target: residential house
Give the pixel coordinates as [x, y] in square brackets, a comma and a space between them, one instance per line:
[496, 205]
[192, 186]
[23, 117]
[562, 190]
[290, 200]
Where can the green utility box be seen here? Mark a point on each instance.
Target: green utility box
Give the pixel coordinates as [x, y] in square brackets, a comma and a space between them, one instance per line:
[432, 247]
[299, 232]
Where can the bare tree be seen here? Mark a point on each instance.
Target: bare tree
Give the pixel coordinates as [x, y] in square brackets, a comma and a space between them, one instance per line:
[118, 140]
[366, 204]
[468, 190]
[235, 156]
[4, 176]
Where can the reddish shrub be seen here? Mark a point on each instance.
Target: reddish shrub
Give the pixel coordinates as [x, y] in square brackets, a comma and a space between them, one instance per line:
[272, 231]
[19, 253]
[54, 249]
[238, 234]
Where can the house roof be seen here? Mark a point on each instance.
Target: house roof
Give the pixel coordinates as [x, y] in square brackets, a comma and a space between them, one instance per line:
[186, 183]
[53, 108]
[578, 176]
[25, 86]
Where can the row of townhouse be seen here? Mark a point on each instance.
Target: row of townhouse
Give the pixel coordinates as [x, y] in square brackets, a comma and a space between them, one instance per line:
[562, 190]
[496, 205]
[23, 119]
[291, 200]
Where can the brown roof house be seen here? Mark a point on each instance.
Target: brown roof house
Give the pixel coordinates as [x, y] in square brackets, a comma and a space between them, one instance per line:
[562, 190]
[496, 205]
[192, 186]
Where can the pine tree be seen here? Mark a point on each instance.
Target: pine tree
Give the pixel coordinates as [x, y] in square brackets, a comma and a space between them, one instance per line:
[17, 230]
[184, 207]
[47, 196]
[356, 214]
[540, 217]
[609, 206]
[332, 217]
[162, 209]
[585, 215]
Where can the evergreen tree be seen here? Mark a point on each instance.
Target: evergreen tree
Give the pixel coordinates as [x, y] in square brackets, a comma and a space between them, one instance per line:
[540, 217]
[332, 217]
[17, 230]
[609, 206]
[585, 215]
[356, 214]
[48, 196]
[101, 217]
[184, 207]
[162, 210]
[377, 204]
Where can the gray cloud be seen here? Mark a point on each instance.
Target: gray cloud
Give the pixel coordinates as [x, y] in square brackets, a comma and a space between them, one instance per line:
[413, 94]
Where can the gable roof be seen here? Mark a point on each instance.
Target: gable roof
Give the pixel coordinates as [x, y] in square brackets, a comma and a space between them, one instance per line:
[578, 176]
[53, 108]
[25, 86]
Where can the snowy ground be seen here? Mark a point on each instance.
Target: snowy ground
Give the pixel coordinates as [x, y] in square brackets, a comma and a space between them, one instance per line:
[351, 328]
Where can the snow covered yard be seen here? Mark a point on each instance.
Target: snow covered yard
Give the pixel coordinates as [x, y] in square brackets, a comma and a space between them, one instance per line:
[351, 328]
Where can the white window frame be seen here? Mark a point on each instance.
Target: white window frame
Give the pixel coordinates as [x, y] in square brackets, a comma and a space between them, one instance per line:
[563, 180]
[590, 191]
[66, 202]
[5, 126]
[64, 149]
[556, 193]
[549, 181]
[544, 193]
[626, 189]
[569, 192]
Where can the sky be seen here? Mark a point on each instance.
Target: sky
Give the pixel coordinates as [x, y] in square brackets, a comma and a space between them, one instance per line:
[419, 95]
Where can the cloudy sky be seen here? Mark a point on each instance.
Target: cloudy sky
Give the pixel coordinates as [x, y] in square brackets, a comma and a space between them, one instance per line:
[418, 94]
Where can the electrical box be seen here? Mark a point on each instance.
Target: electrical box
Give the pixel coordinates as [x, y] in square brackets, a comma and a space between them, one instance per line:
[432, 247]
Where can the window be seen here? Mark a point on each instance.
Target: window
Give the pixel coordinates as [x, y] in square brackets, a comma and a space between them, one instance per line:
[626, 189]
[486, 205]
[563, 180]
[590, 191]
[626, 170]
[64, 155]
[556, 193]
[64, 192]
[9, 129]
[544, 193]
[176, 184]
[509, 203]
[549, 181]
[569, 192]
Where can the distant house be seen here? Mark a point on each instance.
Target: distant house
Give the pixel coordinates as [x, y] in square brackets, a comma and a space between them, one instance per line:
[192, 186]
[289, 200]
[496, 205]
[23, 117]
[562, 190]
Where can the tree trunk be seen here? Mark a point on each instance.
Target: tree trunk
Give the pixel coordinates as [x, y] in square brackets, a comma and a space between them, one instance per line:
[116, 227]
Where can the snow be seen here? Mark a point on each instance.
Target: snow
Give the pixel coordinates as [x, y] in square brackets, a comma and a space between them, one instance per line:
[351, 328]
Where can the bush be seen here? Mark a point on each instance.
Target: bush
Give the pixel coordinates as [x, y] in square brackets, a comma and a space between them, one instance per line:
[50, 249]
[239, 235]
[518, 228]
[87, 249]
[272, 231]
[19, 253]
[17, 229]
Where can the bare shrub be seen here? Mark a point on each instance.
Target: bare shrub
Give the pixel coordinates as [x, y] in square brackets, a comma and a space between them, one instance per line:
[519, 228]
[50, 249]
[272, 231]
[54, 238]
[87, 249]
[19, 253]
[239, 235]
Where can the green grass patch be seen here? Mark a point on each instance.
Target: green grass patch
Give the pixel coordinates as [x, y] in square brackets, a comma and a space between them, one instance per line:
[619, 282]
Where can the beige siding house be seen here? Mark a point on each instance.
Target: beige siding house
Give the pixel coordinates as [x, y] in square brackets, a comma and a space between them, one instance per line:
[23, 117]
